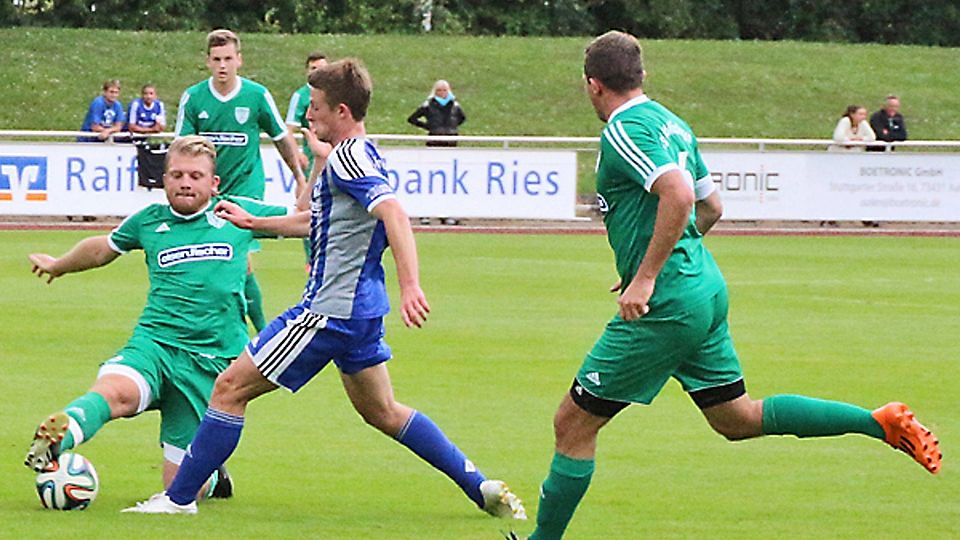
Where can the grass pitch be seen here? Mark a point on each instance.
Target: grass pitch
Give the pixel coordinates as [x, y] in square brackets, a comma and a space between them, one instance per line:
[865, 320]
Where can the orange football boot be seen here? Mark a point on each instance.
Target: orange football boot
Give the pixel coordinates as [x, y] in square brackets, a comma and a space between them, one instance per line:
[906, 434]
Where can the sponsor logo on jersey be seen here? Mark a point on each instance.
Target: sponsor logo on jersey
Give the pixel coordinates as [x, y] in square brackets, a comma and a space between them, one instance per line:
[594, 377]
[195, 252]
[203, 115]
[162, 228]
[23, 178]
[602, 204]
[242, 114]
[226, 138]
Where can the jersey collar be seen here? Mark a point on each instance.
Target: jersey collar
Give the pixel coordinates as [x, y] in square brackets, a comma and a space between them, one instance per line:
[193, 215]
[633, 102]
[225, 98]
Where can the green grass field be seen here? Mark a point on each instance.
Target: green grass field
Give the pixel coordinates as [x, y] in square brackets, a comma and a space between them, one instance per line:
[507, 85]
[867, 320]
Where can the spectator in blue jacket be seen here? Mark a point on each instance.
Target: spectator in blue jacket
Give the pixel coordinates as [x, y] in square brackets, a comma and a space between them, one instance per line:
[147, 114]
[105, 115]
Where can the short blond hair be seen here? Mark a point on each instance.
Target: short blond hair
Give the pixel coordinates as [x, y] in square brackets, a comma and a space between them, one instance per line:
[193, 146]
[221, 37]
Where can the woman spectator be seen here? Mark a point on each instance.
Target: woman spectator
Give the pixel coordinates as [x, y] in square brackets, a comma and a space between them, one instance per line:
[852, 128]
[440, 114]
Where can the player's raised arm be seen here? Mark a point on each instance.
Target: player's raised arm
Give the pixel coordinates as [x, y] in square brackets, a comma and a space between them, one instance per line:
[414, 307]
[89, 253]
[296, 224]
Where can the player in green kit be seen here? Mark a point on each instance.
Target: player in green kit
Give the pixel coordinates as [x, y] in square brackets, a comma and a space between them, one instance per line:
[297, 119]
[232, 112]
[658, 201]
[192, 325]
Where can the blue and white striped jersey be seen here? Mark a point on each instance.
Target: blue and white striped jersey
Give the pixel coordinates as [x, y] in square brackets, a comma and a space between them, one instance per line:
[346, 278]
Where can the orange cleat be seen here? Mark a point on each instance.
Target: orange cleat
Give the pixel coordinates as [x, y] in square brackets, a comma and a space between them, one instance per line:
[906, 434]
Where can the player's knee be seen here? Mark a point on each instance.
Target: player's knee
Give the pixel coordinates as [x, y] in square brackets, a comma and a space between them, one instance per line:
[122, 402]
[227, 391]
[385, 417]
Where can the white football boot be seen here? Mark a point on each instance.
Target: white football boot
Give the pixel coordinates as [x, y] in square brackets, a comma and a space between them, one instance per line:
[45, 448]
[161, 504]
[499, 501]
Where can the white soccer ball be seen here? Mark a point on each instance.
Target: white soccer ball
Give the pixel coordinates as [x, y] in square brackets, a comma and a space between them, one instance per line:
[70, 483]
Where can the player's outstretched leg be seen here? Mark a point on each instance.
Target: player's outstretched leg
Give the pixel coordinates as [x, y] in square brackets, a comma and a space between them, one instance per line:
[63, 430]
[903, 432]
[371, 393]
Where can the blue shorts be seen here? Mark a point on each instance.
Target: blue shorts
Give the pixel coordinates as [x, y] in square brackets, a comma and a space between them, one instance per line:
[299, 343]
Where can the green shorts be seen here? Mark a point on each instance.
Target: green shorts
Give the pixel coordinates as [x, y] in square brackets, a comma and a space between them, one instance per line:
[631, 361]
[176, 382]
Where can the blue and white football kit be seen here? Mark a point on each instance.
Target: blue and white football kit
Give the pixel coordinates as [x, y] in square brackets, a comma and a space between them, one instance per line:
[340, 316]
[146, 117]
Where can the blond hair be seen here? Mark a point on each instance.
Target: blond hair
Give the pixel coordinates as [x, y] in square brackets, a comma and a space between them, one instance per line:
[193, 146]
[221, 37]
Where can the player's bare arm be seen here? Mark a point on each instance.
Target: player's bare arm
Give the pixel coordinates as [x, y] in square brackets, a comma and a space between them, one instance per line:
[287, 147]
[89, 253]
[709, 211]
[673, 211]
[296, 224]
[414, 307]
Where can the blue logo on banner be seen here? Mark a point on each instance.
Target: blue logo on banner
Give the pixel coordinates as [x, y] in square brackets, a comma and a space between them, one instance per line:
[23, 175]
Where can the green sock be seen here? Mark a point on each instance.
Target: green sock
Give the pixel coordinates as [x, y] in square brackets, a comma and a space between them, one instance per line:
[251, 290]
[90, 411]
[560, 494]
[808, 417]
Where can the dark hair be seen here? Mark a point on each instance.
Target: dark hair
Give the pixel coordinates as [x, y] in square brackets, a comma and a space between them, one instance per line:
[615, 59]
[313, 57]
[852, 109]
[148, 85]
[345, 81]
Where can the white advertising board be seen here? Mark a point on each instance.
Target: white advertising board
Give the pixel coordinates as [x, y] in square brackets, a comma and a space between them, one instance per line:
[842, 186]
[97, 179]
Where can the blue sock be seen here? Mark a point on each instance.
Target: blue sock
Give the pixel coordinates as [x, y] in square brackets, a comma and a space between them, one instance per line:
[425, 439]
[215, 440]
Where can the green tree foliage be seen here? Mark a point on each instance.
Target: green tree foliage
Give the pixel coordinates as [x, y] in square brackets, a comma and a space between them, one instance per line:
[932, 22]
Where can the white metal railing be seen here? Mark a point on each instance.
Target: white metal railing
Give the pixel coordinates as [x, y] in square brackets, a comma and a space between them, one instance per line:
[507, 140]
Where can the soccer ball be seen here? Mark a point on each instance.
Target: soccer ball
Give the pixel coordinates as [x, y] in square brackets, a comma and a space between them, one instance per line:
[70, 483]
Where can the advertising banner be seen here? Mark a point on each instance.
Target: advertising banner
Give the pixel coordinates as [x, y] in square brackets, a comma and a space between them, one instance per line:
[101, 180]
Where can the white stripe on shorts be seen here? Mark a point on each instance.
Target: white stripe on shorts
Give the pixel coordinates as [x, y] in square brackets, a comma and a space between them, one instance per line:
[284, 347]
[146, 396]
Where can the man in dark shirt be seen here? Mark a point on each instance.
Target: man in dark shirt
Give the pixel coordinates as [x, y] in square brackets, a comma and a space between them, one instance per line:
[888, 123]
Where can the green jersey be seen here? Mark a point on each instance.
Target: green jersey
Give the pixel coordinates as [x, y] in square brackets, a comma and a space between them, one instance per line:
[297, 114]
[233, 123]
[642, 141]
[197, 267]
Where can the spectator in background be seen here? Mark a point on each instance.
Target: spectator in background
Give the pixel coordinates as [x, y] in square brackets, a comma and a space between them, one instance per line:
[440, 114]
[852, 128]
[105, 115]
[147, 114]
[888, 123]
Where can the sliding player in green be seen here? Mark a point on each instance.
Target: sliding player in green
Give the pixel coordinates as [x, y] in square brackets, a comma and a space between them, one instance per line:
[192, 325]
